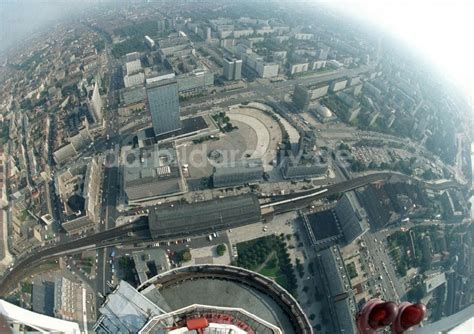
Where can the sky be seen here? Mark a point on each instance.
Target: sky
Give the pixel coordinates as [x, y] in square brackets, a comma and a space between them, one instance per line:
[440, 31]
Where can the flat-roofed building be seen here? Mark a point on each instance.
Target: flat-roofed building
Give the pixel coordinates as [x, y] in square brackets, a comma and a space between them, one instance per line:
[163, 101]
[304, 95]
[338, 289]
[171, 45]
[91, 191]
[434, 280]
[238, 173]
[150, 262]
[267, 70]
[299, 67]
[150, 42]
[151, 172]
[197, 80]
[204, 217]
[232, 69]
[133, 67]
[132, 95]
[352, 217]
[338, 85]
[303, 36]
[453, 206]
[304, 165]
[132, 56]
[79, 190]
[133, 79]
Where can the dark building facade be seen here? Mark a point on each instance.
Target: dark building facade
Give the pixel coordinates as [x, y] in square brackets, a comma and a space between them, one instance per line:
[351, 216]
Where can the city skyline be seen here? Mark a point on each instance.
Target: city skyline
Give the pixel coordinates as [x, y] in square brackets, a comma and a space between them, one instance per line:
[235, 167]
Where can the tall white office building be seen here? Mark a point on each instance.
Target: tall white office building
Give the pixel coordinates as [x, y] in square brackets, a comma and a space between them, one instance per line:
[232, 69]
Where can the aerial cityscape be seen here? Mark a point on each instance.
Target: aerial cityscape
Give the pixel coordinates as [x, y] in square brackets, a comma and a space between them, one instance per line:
[230, 167]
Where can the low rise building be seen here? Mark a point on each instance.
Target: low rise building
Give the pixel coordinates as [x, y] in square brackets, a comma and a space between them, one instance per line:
[133, 67]
[76, 143]
[132, 96]
[151, 172]
[304, 166]
[299, 67]
[203, 217]
[323, 113]
[150, 42]
[434, 280]
[303, 36]
[133, 79]
[338, 289]
[454, 210]
[195, 81]
[149, 263]
[238, 173]
[338, 85]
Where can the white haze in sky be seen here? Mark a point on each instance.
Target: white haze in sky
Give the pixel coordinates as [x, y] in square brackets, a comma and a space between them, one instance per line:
[441, 31]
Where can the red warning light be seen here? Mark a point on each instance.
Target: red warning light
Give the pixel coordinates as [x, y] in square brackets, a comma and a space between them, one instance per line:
[383, 315]
[376, 314]
[409, 315]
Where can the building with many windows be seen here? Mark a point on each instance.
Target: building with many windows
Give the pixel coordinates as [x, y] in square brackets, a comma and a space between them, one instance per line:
[352, 217]
[238, 173]
[232, 69]
[151, 172]
[163, 103]
[303, 96]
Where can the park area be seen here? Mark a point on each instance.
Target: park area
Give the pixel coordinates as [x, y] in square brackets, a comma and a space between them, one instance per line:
[269, 257]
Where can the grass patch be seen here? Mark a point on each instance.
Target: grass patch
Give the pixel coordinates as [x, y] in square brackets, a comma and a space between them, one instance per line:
[271, 267]
[268, 256]
[282, 280]
[26, 287]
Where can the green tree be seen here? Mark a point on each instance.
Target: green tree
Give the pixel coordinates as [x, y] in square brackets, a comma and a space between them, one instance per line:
[184, 256]
[415, 294]
[221, 249]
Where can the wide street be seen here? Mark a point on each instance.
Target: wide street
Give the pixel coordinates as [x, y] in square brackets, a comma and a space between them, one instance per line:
[109, 211]
[263, 91]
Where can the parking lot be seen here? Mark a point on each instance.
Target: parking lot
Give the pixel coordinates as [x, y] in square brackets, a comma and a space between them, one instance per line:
[367, 154]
